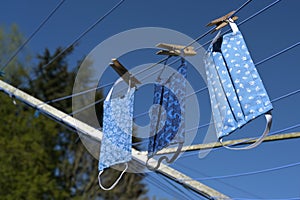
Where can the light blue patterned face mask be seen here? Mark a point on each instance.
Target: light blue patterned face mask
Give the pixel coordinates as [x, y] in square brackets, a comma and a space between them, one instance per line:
[167, 120]
[236, 91]
[116, 143]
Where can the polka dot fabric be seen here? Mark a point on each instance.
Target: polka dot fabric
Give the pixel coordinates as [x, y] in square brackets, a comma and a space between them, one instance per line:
[236, 90]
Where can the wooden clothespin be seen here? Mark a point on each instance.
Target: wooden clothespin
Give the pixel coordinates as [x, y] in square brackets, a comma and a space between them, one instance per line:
[175, 50]
[222, 21]
[123, 72]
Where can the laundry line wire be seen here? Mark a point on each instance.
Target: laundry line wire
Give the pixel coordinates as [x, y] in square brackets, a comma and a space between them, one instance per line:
[19, 49]
[164, 59]
[75, 95]
[239, 24]
[245, 173]
[249, 18]
[188, 192]
[201, 126]
[202, 89]
[278, 53]
[145, 113]
[257, 64]
[98, 21]
[203, 35]
[188, 154]
[251, 172]
[291, 198]
[207, 124]
[164, 187]
[217, 180]
[65, 49]
[281, 167]
[91, 27]
[272, 101]
[209, 31]
[192, 129]
[210, 123]
[191, 43]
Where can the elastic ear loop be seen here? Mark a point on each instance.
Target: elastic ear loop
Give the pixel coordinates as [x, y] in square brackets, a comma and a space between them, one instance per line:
[171, 160]
[163, 69]
[129, 85]
[268, 117]
[216, 38]
[233, 25]
[115, 183]
[108, 97]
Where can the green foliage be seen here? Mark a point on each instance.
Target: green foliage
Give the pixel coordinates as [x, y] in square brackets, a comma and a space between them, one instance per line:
[41, 159]
[27, 155]
[16, 70]
[53, 80]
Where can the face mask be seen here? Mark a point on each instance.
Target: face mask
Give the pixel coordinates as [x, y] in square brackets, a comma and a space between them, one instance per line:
[116, 143]
[167, 119]
[236, 91]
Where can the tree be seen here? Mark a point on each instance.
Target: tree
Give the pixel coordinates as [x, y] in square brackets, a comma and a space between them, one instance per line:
[41, 159]
[27, 155]
[77, 170]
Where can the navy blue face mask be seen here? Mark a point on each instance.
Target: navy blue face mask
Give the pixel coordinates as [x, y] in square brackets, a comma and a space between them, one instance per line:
[236, 91]
[167, 121]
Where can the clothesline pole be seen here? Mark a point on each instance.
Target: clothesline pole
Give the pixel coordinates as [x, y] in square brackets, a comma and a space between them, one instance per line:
[244, 141]
[88, 131]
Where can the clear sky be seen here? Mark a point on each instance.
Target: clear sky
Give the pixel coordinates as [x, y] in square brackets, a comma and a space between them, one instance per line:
[268, 33]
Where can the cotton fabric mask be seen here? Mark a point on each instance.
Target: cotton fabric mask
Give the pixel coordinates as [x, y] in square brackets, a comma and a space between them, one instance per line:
[236, 91]
[117, 133]
[167, 121]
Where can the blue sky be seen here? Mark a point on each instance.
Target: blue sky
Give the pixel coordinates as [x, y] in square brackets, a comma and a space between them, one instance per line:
[266, 34]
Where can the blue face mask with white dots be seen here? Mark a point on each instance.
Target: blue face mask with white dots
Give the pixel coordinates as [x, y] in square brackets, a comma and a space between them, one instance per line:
[236, 91]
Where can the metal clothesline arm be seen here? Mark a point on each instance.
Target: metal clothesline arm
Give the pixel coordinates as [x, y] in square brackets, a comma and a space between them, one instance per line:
[244, 141]
[95, 134]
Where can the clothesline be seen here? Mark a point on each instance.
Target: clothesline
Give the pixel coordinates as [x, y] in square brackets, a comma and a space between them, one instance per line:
[250, 17]
[272, 101]
[189, 193]
[257, 64]
[164, 59]
[164, 187]
[19, 49]
[190, 168]
[194, 41]
[98, 101]
[270, 134]
[145, 113]
[246, 173]
[200, 90]
[91, 27]
[239, 24]
[292, 198]
[201, 126]
[189, 130]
